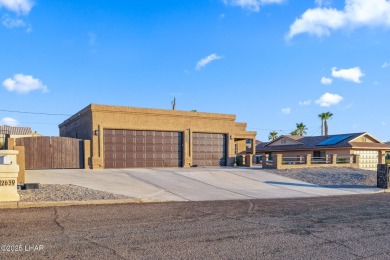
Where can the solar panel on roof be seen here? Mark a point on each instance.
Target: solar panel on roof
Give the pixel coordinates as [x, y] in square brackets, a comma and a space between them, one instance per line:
[334, 140]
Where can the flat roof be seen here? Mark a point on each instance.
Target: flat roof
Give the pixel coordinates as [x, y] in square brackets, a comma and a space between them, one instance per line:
[146, 111]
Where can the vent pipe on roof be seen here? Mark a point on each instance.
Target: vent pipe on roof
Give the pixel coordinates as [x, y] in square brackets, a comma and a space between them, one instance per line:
[173, 104]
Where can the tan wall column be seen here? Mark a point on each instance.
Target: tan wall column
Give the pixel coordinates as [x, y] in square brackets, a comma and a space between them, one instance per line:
[278, 161]
[231, 156]
[20, 158]
[21, 161]
[334, 159]
[9, 171]
[308, 159]
[357, 160]
[97, 148]
[381, 157]
[187, 148]
[11, 142]
[249, 160]
[87, 154]
[264, 160]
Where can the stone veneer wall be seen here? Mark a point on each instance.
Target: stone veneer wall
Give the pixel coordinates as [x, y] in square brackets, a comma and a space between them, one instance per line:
[383, 176]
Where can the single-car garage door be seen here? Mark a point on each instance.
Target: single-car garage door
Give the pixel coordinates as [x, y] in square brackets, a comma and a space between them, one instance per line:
[208, 149]
[128, 148]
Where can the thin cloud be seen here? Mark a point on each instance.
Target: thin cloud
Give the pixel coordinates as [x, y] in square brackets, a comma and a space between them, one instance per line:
[385, 65]
[14, 23]
[326, 81]
[251, 5]
[203, 62]
[24, 84]
[286, 111]
[9, 121]
[323, 2]
[329, 99]
[321, 21]
[305, 103]
[354, 74]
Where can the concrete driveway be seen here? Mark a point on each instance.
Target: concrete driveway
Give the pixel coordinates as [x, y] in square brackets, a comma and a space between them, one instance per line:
[189, 184]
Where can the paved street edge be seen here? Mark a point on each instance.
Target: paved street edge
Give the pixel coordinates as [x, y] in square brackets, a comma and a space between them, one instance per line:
[43, 204]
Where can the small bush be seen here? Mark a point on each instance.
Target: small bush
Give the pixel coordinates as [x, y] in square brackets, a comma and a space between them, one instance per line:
[342, 160]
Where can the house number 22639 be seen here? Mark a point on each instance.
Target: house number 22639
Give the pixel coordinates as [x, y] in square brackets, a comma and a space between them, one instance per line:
[7, 182]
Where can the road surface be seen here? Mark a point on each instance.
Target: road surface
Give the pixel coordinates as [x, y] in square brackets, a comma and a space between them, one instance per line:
[346, 227]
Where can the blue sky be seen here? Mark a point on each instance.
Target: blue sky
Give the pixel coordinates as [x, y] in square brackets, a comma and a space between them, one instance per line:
[273, 63]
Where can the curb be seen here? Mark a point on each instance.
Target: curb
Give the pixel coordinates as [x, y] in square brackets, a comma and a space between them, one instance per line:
[44, 204]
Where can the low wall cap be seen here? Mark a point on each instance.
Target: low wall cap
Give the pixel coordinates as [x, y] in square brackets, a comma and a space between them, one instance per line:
[8, 152]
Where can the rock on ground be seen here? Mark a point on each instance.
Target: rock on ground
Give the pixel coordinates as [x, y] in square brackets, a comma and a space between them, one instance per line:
[57, 192]
[331, 177]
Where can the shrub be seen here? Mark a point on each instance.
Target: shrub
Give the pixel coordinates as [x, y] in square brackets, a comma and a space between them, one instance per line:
[342, 160]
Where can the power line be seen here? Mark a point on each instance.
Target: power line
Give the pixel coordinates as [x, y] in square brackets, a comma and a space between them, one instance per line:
[33, 113]
[278, 130]
[38, 123]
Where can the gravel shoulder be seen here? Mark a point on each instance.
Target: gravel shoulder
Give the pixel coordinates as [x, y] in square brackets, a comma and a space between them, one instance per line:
[57, 192]
[331, 177]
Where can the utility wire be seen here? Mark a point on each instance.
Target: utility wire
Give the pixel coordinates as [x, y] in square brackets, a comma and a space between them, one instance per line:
[33, 113]
[38, 123]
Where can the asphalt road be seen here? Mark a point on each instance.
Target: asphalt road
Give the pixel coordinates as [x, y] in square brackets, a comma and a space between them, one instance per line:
[347, 227]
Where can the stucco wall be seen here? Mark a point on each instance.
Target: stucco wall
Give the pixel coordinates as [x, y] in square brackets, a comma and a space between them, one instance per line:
[78, 126]
[100, 117]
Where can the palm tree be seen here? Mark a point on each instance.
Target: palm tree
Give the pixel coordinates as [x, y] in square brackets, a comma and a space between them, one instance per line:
[272, 135]
[301, 129]
[295, 132]
[324, 123]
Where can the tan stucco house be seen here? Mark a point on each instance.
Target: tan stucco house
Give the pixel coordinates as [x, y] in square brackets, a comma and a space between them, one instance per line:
[123, 137]
[371, 151]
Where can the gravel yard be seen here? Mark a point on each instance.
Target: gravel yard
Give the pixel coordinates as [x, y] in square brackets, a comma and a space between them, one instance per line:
[331, 177]
[56, 192]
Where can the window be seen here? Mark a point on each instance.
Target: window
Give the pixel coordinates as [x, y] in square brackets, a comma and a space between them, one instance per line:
[283, 141]
[319, 153]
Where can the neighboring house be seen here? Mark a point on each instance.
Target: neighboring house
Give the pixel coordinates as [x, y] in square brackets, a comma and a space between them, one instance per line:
[257, 158]
[371, 151]
[14, 132]
[123, 137]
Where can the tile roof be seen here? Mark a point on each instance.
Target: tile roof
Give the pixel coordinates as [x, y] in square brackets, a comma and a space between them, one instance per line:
[15, 130]
[311, 142]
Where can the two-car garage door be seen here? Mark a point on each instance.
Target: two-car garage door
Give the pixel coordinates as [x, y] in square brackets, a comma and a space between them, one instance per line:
[132, 148]
[128, 148]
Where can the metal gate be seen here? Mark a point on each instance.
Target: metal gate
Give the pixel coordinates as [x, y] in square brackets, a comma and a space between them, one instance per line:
[50, 152]
[134, 148]
[209, 149]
